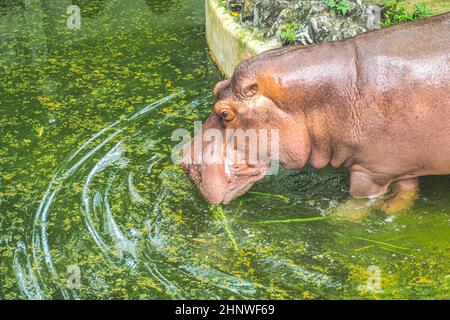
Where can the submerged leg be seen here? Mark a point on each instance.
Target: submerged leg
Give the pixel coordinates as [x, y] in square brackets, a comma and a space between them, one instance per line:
[404, 194]
[355, 209]
[367, 191]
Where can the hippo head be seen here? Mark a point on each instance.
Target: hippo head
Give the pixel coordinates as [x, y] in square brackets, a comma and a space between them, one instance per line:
[249, 114]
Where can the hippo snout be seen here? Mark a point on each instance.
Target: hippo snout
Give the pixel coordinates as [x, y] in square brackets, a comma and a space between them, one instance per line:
[209, 179]
[221, 183]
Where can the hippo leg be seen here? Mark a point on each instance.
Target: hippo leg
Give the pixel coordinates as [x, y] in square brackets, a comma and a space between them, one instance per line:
[367, 190]
[355, 209]
[367, 185]
[404, 194]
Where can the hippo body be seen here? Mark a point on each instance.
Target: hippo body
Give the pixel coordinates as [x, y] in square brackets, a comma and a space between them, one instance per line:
[377, 104]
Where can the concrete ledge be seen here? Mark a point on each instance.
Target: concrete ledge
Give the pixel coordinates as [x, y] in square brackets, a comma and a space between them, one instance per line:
[228, 41]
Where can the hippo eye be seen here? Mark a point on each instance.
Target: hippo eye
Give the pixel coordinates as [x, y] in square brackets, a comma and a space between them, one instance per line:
[227, 114]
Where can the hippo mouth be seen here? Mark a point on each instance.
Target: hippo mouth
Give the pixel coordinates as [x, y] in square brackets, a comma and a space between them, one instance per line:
[222, 183]
[242, 178]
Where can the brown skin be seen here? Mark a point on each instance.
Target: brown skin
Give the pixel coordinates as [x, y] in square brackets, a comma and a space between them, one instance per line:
[377, 104]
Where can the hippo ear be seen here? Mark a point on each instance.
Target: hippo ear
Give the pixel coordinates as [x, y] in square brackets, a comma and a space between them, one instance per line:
[250, 89]
[220, 86]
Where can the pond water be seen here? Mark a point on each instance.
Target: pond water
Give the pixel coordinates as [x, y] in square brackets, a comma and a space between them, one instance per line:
[88, 191]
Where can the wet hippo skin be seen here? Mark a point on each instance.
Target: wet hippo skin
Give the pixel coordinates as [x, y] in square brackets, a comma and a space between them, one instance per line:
[377, 104]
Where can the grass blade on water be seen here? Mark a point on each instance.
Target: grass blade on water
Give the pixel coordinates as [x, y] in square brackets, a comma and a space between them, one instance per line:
[220, 216]
[279, 196]
[383, 244]
[295, 220]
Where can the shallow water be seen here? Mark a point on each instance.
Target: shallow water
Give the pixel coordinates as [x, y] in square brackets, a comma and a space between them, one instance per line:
[88, 188]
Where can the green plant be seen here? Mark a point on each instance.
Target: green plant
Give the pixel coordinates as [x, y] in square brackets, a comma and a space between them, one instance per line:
[422, 12]
[342, 7]
[288, 33]
[395, 15]
[331, 4]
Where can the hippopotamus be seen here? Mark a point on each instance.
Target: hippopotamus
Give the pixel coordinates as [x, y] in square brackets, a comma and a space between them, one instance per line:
[377, 104]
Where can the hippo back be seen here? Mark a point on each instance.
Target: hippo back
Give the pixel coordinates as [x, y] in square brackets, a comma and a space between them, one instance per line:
[403, 78]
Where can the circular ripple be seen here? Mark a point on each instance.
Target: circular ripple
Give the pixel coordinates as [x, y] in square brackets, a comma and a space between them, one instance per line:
[129, 201]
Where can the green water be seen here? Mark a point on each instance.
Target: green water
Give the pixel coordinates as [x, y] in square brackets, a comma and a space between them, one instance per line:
[87, 183]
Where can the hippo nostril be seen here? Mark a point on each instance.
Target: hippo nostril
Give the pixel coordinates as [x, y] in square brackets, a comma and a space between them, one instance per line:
[239, 167]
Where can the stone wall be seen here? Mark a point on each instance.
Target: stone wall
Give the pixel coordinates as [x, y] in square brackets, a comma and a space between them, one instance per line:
[236, 28]
[228, 41]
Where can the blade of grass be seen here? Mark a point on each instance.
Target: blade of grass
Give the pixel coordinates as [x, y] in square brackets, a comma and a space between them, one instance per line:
[279, 196]
[391, 250]
[365, 248]
[383, 243]
[220, 216]
[379, 247]
[295, 220]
